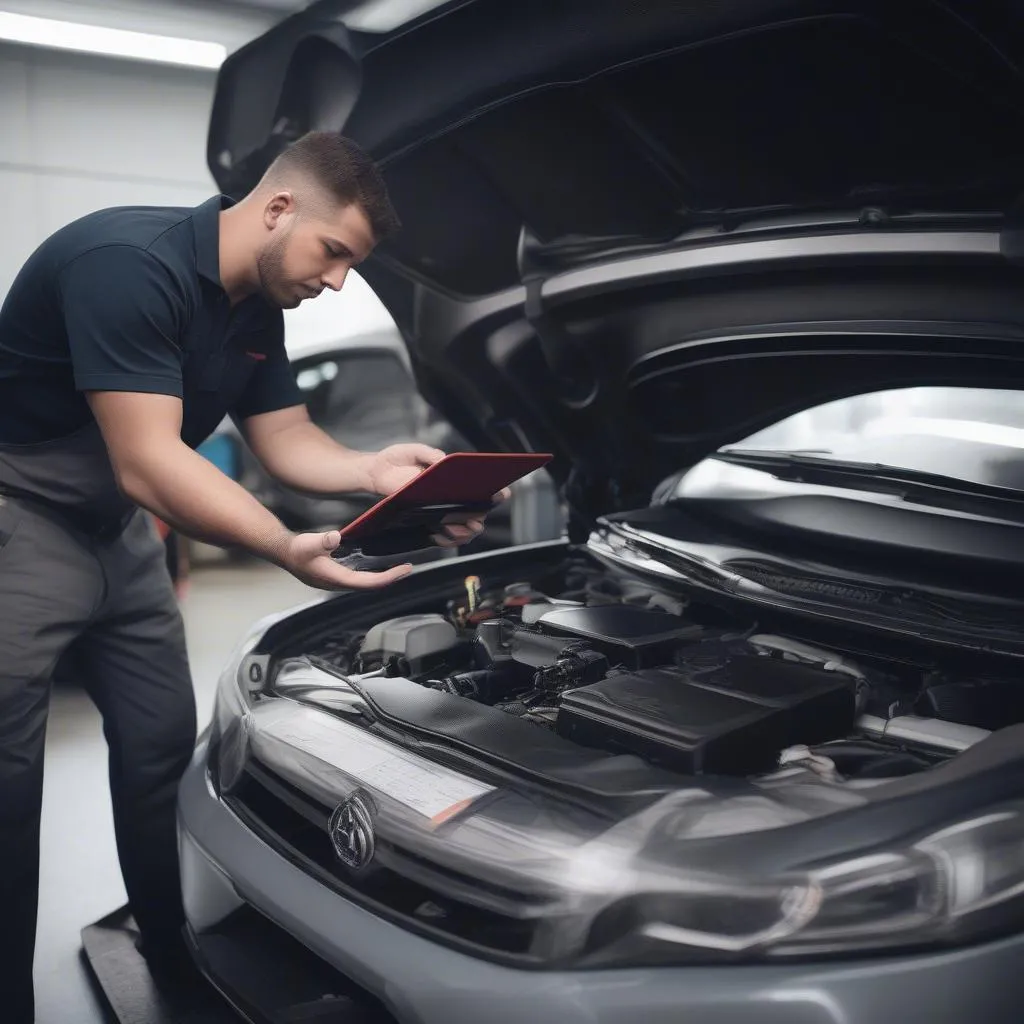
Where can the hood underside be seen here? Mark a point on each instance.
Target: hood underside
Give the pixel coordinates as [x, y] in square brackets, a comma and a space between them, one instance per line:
[635, 232]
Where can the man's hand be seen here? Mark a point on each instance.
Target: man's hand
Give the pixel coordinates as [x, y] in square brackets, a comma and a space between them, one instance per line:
[302, 456]
[308, 558]
[393, 467]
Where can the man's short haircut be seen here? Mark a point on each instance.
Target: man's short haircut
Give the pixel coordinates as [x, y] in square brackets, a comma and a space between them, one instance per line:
[343, 170]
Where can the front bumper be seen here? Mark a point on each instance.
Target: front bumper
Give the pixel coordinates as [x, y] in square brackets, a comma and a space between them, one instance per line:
[231, 877]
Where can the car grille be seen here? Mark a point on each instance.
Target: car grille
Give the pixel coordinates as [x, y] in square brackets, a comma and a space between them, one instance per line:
[396, 885]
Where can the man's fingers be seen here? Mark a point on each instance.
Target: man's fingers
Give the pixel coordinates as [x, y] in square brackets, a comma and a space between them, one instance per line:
[355, 579]
[422, 453]
[457, 531]
[380, 579]
[330, 540]
[463, 519]
[305, 546]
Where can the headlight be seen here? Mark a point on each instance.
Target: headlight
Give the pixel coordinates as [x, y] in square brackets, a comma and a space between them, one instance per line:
[960, 884]
[231, 715]
[238, 683]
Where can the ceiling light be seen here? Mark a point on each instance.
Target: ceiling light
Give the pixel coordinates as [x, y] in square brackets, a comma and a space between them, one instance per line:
[112, 42]
[386, 15]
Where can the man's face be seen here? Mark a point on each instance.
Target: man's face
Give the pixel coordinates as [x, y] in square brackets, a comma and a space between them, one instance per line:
[309, 249]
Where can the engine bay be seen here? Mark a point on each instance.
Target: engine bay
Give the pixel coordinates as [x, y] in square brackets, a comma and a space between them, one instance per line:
[609, 662]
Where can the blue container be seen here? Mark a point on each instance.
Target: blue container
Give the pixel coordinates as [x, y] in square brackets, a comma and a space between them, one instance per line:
[220, 449]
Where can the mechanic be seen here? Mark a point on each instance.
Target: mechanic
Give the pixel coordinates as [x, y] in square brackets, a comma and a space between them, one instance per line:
[125, 339]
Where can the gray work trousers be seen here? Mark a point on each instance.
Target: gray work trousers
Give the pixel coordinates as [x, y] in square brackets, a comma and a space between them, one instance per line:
[110, 602]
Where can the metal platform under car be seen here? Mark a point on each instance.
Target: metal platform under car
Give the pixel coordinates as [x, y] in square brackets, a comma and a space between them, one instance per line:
[266, 979]
[130, 991]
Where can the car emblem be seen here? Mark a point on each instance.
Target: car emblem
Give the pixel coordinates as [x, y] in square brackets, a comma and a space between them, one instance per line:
[351, 832]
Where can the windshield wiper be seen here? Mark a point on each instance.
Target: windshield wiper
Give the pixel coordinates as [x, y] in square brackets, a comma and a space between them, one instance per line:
[909, 484]
[776, 453]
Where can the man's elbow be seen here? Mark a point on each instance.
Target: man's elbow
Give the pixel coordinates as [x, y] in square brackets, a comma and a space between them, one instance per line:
[132, 484]
[135, 474]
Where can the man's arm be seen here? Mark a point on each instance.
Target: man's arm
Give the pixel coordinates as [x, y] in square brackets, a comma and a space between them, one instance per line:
[297, 453]
[300, 455]
[158, 471]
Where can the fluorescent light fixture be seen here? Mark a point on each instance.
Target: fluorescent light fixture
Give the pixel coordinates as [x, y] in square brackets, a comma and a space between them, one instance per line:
[111, 42]
[386, 15]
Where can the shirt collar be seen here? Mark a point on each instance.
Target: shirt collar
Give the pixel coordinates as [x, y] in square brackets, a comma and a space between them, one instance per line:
[206, 228]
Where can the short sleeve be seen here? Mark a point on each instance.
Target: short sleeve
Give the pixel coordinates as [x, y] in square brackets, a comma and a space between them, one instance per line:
[124, 318]
[271, 386]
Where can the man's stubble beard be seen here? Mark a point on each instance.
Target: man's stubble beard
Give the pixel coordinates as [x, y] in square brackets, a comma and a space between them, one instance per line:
[270, 269]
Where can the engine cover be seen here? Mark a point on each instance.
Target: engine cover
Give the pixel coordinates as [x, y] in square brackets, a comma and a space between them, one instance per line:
[630, 636]
[731, 719]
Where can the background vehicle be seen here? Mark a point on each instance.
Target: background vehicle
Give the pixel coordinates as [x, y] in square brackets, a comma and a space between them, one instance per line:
[750, 750]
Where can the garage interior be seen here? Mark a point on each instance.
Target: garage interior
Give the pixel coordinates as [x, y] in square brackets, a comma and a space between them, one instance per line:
[727, 725]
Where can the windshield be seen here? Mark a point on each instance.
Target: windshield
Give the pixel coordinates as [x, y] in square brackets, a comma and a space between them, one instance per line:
[970, 434]
[991, 417]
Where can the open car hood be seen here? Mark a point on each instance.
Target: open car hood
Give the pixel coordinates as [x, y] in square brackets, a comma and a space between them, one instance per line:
[636, 232]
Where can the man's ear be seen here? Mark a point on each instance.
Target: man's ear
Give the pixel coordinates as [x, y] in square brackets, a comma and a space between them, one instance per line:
[280, 204]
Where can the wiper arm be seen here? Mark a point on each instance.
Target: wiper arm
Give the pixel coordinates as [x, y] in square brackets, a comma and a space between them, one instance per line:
[774, 453]
[908, 484]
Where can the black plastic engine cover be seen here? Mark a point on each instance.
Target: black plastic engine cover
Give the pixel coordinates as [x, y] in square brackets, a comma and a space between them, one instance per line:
[732, 719]
[630, 636]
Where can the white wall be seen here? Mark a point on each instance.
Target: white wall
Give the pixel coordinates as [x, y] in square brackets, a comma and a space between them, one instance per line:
[79, 133]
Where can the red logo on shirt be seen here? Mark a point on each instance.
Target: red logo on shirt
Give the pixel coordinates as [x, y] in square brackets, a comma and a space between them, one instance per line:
[258, 356]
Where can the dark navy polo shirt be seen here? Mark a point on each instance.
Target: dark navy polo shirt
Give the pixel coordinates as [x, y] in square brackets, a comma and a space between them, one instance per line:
[130, 299]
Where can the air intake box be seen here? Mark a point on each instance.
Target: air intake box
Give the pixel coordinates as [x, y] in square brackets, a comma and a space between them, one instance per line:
[730, 719]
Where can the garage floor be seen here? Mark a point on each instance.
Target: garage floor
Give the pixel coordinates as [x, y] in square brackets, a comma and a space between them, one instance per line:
[80, 881]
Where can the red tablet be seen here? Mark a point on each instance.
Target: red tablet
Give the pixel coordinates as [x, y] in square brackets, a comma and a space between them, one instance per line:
[462, 480]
